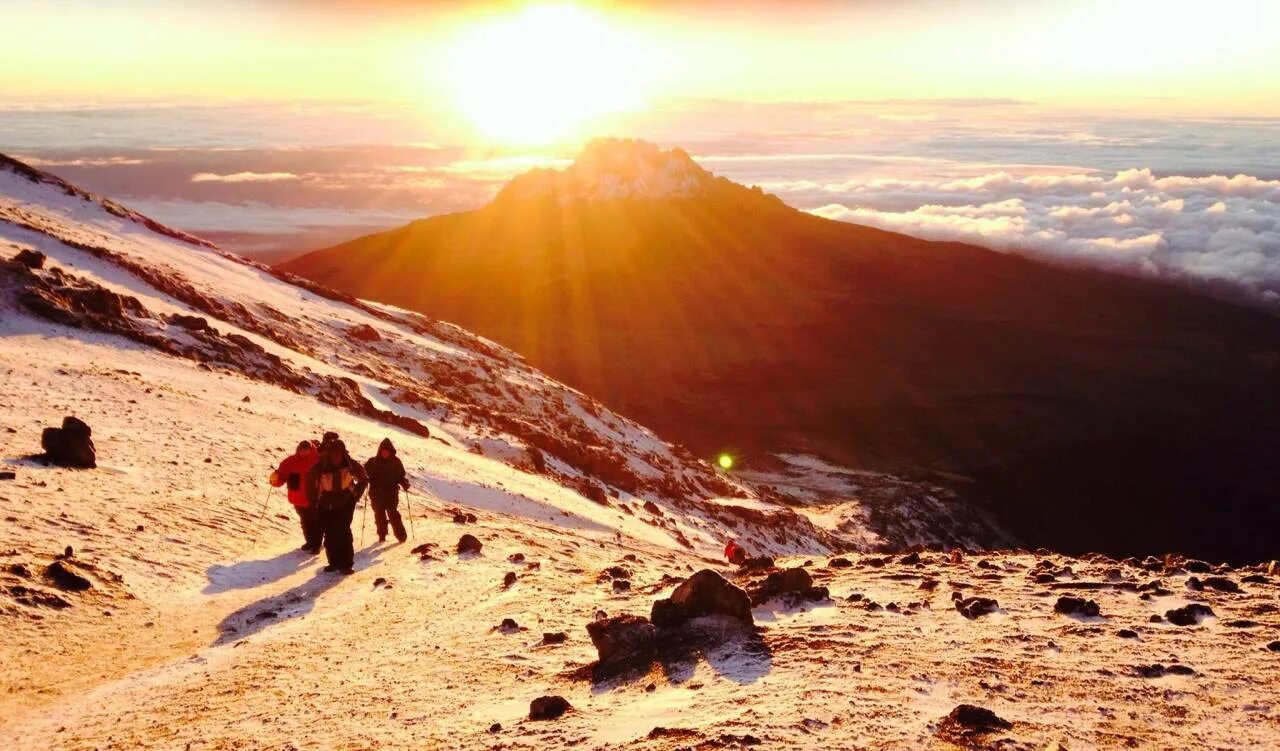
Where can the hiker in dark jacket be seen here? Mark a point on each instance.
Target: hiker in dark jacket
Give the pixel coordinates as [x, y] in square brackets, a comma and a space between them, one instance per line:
[386, 478]
[334, 485]
[293, 473]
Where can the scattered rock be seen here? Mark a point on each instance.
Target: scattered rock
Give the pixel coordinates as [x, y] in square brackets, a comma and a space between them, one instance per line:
[623, 638]
[508, 626]
[495, 728]
[974, 607]
[793, 581]
[1067, 605]
[509, 580]
[840, 563]
[967, 721]
[8, 475]
[32, 259]
[65, 579]
[191, 323]
[516, 558]
[759, 563]
[1189, 615]
[910, 559]
[1221, 584]
[704, 593]
[469, 544]
[548, 707]
[1126, 633]
[621, 585]
[555, 637]
[1274, 646]
[364, 333]
[70, 445]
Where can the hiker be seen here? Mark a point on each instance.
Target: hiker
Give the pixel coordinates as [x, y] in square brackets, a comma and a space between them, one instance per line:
[334, 485]
[292, 472]
[327, 439]
[386, 478]
[735, 553]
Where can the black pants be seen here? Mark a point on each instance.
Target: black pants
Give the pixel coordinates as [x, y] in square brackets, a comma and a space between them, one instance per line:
[387, 510]
[338, 545]
[312, 533]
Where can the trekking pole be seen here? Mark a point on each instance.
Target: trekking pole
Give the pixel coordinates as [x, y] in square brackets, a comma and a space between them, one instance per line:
[408, 506]
[363, 513]
[258, 532]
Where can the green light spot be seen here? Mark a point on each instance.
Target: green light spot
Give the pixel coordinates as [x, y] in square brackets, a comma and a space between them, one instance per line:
[725, 462]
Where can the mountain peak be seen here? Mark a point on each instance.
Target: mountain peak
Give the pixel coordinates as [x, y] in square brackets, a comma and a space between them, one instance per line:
[613, 168]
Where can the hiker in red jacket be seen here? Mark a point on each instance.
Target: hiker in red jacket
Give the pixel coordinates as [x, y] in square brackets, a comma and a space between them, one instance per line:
[735, 553]
[292, 472]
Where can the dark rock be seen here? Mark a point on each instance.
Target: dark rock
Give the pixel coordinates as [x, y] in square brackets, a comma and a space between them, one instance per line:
[1126, 633]
[1180, 670]
[623, 638]
[929, 585]
[516, 558]
[364, 333]
[1189, 615]
[1045, 577]
[840, 563]
[1155, 619]
[548, 707]
[469, 544]
[816, 594]
[793, 581]
[508, 626]
[704, 593]
[1221, 584]
[1274, 646]
[555, 637]
[967, 720]
[191, 323]
[1067, 605]
[1197, 567]
[1194, 584]
[495, 728]
[910, 559]
[1256, 579]
[64, 578]
[32, 259]
[758, 563]
[70, 445]
[974, 607]
[509, 580]
[8, 475]
[621, 585]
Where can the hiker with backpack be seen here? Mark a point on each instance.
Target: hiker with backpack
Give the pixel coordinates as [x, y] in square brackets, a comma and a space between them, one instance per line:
[292, 473]
[386, 479]
[334, 485]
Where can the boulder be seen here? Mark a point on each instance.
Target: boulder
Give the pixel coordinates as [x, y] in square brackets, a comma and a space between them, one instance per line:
[191, 323]
[704, 593]
[1274, 646]
[364, 333]
[975, 607]
[840, 563]
[548, 707]
[469, 544]
[32, 259]
[64, 578]
[1067, 605]
[795, 581]
[1189, 615]
[966, 721]
[70, 445]
[623, 638]
[1221, 584]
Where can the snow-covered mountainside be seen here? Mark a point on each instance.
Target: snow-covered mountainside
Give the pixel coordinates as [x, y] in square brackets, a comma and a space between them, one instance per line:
[159, 600]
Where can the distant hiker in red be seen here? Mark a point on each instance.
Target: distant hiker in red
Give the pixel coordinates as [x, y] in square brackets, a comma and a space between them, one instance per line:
[735, 553]
[292, 473]
[386, 478]
[334, 485]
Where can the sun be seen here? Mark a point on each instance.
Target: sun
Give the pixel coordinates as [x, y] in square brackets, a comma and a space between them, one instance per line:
[544, 73]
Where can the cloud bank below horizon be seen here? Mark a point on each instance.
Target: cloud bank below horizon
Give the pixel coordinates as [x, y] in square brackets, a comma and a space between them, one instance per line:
[1216, 230]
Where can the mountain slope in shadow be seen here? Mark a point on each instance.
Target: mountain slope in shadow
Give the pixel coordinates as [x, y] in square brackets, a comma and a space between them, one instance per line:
[1090, 411]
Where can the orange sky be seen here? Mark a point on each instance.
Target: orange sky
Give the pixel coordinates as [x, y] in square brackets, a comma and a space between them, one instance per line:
[491, 64]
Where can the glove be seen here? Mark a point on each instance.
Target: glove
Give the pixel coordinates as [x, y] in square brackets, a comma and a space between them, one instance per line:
[274, 479]
[404, 484]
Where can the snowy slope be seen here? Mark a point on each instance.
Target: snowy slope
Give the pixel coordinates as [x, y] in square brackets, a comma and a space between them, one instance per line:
[203, 627]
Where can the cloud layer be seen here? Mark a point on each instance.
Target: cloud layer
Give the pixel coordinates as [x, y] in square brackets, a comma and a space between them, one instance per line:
[1214, 229]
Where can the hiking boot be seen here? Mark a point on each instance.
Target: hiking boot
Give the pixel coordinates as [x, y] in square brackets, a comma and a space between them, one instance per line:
[401, 538]
[382, 538]
[348, 571]
[331, 568]
[305, 546]
[312, 551]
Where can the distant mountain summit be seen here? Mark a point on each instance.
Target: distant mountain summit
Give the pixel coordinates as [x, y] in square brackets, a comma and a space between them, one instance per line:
[613, 168]
[1090, 411]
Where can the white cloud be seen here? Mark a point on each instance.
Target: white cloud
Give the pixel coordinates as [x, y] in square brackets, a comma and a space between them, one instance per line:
[244, 177]
[1201, 229]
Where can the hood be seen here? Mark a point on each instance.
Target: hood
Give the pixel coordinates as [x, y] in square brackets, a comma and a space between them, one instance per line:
[386, 444]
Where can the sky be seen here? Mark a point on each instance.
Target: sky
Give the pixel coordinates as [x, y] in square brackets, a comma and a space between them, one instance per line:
[1049, 128]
